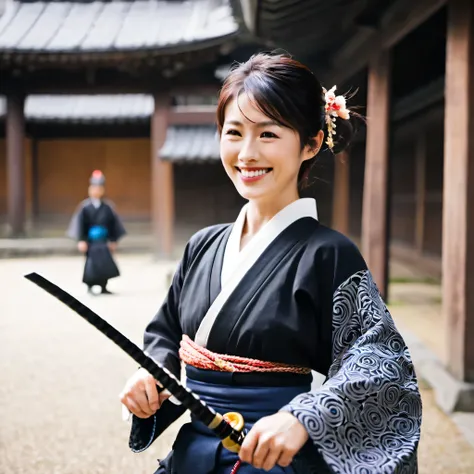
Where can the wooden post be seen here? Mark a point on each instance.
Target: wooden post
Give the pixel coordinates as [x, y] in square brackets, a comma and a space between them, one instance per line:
[15, 136]
[458, 192]
[375, 200]
[420, 185]
[34, 178]
[340, 201]
[162, 185]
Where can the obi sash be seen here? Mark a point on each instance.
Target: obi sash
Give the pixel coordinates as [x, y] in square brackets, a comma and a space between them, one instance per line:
[97, 233]
[196, 448]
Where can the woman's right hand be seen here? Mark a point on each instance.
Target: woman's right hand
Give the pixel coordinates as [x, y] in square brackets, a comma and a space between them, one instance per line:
[140, 394]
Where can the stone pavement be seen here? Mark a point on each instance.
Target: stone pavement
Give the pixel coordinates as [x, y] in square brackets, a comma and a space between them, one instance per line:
[62, 246]
[59, 407]
[416, 308]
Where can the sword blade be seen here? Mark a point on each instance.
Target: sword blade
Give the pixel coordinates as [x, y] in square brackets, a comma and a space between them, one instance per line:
[189, 400]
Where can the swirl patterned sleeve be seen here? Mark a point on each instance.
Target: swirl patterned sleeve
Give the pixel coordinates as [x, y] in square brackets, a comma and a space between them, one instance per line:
[366, 417]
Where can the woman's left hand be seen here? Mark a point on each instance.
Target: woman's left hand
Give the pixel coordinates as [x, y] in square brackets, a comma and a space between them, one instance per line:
[273, 440]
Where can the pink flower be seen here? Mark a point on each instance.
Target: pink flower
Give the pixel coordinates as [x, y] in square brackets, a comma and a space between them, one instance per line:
[330, 95]
[343, 114]
[335, 105]
[340, 102]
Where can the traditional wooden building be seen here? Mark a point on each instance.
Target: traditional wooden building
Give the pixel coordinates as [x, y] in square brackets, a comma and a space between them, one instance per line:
[404, 185]
[122, 73]
[410, 180]
[86, 96]
[68, 136]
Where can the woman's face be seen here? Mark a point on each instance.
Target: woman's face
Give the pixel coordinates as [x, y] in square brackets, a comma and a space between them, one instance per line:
[261, 157]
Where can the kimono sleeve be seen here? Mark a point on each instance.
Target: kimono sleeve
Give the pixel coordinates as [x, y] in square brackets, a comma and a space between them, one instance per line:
[366, 417]
[116, 227]
[161, 342]
[77, 225]
[163, 334]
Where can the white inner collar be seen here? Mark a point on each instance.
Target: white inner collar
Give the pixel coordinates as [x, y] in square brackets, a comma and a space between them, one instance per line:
[299, 209]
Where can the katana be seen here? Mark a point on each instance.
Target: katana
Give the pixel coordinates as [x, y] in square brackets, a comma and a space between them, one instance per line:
[228, 427]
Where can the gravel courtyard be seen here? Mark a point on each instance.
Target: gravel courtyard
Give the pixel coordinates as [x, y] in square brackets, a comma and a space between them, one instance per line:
[59, 406]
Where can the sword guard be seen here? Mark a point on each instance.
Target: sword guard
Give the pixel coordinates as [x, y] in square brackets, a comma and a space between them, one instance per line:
[236, 420]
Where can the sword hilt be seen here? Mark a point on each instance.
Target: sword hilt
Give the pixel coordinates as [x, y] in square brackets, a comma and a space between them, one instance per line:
[232, 442]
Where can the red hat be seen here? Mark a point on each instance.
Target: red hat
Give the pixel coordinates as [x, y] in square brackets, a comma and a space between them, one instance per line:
[97, 178]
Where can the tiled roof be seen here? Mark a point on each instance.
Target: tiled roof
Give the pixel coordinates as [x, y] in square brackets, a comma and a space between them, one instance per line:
[183, 142]
[89, 108]
[100, 26]
[191, 143]
[86, 108]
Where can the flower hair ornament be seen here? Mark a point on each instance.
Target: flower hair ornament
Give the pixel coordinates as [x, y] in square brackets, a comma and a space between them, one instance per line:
[335, 106]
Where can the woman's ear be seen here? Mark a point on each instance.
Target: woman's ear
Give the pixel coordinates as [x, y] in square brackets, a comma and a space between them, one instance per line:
[312, 149]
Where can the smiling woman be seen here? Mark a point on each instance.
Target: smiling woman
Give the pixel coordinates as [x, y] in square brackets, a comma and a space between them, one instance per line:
[271, 91]
[261, 157]
[255, 306]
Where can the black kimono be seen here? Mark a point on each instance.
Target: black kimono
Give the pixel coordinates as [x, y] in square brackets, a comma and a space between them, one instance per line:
[306, 299]
[97, 226]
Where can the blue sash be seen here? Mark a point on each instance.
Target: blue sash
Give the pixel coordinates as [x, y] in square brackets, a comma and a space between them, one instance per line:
[197, 450]
[97, 233]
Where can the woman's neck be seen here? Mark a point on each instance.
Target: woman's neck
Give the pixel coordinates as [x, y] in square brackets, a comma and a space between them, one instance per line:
[259, 213]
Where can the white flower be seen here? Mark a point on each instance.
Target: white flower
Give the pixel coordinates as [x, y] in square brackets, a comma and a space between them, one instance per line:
[340, 101]
[330, 95]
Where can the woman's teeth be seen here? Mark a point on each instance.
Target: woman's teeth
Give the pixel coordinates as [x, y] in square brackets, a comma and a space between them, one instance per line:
[253, 174]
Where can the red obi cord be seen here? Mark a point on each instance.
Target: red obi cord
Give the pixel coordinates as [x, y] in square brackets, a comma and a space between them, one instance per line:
[201, 358]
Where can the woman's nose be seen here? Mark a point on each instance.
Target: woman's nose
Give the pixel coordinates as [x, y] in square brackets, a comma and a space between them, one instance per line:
[248, 152]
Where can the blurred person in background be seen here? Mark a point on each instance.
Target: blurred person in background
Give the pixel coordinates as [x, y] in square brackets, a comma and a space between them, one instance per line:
[97, 228]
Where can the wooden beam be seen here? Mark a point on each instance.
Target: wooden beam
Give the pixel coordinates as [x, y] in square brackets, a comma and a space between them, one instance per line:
[401, 18]
[201, 88]
[193, 115]
[404, 129]
[15, 137]
[458, 192]
[404, 17]
[419, 101]
[352, 47]
[173, 58]
[420, 191]
[162, 181]
[110, 81]
[249, 12]
[375, 199]
[182, 115]
[340, 202]
[40, 88]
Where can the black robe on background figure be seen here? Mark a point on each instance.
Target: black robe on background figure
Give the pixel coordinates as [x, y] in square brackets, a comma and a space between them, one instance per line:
[97, 226]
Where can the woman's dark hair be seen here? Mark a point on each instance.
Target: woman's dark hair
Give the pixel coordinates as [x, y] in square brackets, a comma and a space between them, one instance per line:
[287, 92]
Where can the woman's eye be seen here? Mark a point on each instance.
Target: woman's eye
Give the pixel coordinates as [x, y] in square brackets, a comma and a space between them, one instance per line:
[268, 135]
[232, 132]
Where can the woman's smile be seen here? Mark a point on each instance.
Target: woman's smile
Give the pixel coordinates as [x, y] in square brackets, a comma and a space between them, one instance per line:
[250, 175]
